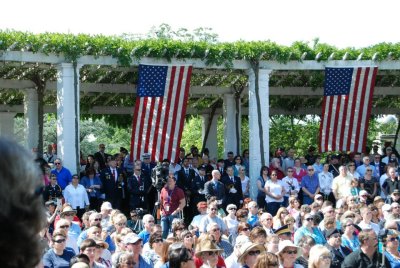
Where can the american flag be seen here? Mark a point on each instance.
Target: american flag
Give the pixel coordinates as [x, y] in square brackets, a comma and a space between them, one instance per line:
[346, 108]
[160, 111]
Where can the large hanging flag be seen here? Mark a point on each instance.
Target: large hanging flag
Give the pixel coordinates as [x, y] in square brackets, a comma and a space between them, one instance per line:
[160, 111]
[346, 108]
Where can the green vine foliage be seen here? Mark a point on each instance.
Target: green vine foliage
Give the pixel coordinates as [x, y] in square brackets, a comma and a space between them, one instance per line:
[219, 53]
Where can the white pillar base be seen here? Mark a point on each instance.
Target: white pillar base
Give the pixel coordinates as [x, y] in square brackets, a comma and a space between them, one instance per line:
[254, 134]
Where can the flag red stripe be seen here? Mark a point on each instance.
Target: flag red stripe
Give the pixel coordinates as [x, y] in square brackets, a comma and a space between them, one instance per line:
[360, 117]
[175, 111]
[188, 76]
[353, 106]
[328, 122]
[141, 126]
[166, 116]
[149, 122]
[371, 93]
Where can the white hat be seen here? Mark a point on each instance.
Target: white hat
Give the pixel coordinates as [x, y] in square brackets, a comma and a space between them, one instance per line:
[106, 206]
[287, 243]
[386, 207]
[131, 238]
[247, 247]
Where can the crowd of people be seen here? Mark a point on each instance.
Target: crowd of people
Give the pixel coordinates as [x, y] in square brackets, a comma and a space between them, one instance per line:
[340, 212]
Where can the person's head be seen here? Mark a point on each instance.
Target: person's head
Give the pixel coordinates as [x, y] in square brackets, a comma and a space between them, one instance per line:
[274, 175]
[106, 208]
[123, 260]
[253, 207]
[242, 214]
[288, 252]
[63, 224]
[21, 206]
[53, 179]
[366, 160]
[334, 238]
[266, 260]
[308, 220]
[202, 207]
[231, 209]
[180, 257]
[238, 160]
[94, 231]
[212, 209]
[95, 219]
[328, 211]
[102, 147]
[258, 235]
[281, 213]
[395, 208]
[148, 221]
[366, 214]
[119, 221]
[320, 257]
[178, 225]
[343, 171]
[187, 238]
[249, 252]
[229, 171]
[59, 239]
[215, 230]
[244, 228]
[272, 243]
[390, 238]
[310, 170]
[133, 243]
[290, 221]
[368, 238]
[208, 252]
[264, 171]
[88, 247]
[58, 163]
[266, 220]
[155, 242]
[216, 174]
[392, 172]
[306, 243]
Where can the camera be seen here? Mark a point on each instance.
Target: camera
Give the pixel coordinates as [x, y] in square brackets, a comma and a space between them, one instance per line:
[141, 212]
[159, 175]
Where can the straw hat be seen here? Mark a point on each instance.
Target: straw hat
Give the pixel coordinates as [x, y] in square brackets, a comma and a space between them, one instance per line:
[247, 247]
[207, 245]
[101, 242]
[287, 243]
[67, 209]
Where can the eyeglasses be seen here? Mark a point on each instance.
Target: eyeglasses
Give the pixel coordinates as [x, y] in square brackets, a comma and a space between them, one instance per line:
[392, 239]
[213, 209]
[211, 253]
[69, 214]
[180, 229]
[325, 257]
[99, 246]
[59, 241]
[310, 169]
[216, 230]
[97, 219]
[254, 253]
[309, 219]
[57, 164]
[64, 226]
[319, 198]
[188, 236]
[158, 240]
[369, 170]
[290, 252]
[245, 229]
[232, 209]
[290, 171]
[121, 224]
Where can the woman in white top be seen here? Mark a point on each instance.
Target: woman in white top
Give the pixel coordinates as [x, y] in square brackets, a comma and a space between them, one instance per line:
[231, 222]
[351, 170]
[75, 195]
[245, 181]
[274, 192]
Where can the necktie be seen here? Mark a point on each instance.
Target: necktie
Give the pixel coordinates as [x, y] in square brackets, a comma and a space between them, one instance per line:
[139, 180]
[187, 172]
[113, 172]
[232, 180]
[202, 179]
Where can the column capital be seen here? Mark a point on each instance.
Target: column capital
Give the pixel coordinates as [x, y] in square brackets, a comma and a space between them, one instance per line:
[262, 71]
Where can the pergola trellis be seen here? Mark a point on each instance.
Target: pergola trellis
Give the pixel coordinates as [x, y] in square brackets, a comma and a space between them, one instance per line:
[102, 85]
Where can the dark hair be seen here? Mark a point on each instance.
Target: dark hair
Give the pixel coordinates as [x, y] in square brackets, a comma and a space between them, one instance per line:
[88, 243]
[179, 255]
[243, 225]
[153, 238]
[79, 258]
[20, 200]
[257, 232]
[263, 168]
[89, 171]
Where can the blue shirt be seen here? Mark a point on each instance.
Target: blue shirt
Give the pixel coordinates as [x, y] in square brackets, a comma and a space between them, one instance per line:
[310, 183]
[64, 177]
[145, 236]
[52, 260]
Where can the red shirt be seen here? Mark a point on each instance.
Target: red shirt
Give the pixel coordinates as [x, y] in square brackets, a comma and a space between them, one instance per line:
[170, 199]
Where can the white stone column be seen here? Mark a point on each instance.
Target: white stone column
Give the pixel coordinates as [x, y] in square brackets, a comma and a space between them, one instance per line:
[211, 143]
[7, 124]
[31, 118]
[230, 135]
[254, 126]
[68, 117]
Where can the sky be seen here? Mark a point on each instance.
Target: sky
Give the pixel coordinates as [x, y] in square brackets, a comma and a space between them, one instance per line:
[342, 23]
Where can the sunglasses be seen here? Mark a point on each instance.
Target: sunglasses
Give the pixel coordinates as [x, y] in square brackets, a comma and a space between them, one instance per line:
[392, 239]
[69, 214]
[211, 253]
[232, 209]
[97, 219]
[216, 229]
[158, 241]
[325, 257]
[290, 252]
[59, 241]
[310, 169]
[57, 164]
[290, 171]
[121, 224]
[309, 219]
[64, 226]
[245, 229]
[99, 246]
[254, 253]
